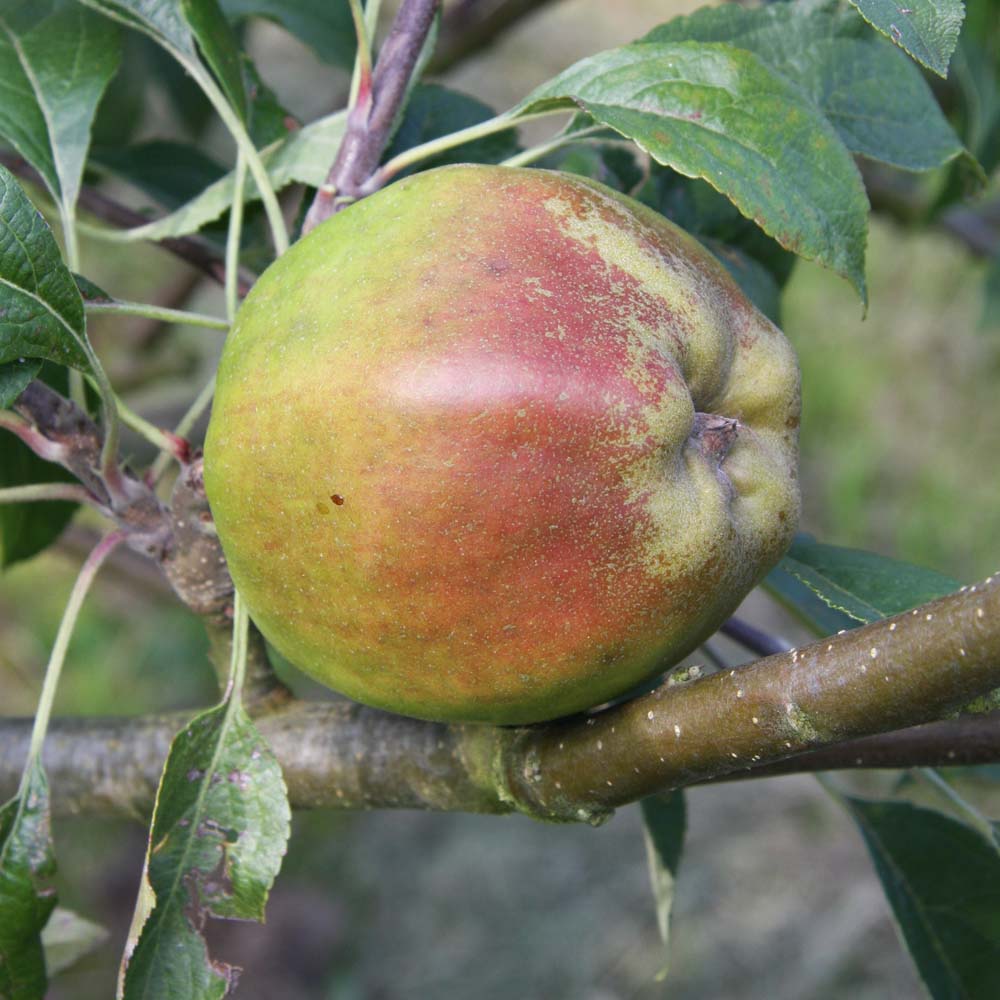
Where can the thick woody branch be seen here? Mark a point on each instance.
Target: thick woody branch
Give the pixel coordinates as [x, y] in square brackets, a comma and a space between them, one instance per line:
[369, 124]
[798, 711]
[895, 673]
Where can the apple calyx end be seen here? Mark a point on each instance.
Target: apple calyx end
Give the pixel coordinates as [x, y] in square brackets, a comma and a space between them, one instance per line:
[714, 434]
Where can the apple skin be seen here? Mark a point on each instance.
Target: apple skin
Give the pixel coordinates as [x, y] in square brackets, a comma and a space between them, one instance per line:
[454, 459]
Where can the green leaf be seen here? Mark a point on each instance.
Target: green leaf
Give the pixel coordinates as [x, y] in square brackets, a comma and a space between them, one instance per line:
[173, 173]
[162, 20]
[56, 59]
[28, 528]
[434, 111]
[304, 156]
[720, 113]
[41, 312]
[942, 880]
[14, 379]
[218, 836]
[268, 120]
[220, 48]
[27, 865]
[664, 824]
[927, 29]
[975, 75]
[67, 937]
[326, 27]
[857, 586]
[872, 94]
[169, 172]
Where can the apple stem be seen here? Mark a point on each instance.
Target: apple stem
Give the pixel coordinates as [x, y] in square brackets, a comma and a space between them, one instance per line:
[372, 120]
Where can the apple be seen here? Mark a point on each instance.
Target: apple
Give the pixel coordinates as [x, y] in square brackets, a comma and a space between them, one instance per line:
[497, 444]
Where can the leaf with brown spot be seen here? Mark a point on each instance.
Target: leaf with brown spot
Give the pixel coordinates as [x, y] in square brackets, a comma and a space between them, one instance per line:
[219, 832]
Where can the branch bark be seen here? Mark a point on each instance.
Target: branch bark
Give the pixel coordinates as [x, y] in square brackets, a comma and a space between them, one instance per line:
[370, 121]
[802, 710]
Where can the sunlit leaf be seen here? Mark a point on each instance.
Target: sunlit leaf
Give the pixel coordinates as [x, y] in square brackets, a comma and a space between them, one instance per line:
[720, 113]
[873, 95]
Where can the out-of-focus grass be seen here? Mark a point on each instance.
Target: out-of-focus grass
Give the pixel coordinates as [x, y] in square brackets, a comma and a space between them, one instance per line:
[900, 430]
[127, 654]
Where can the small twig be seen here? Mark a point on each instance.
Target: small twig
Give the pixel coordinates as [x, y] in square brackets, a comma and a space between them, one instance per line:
[157, 313]
[72, 492]
[370, 124]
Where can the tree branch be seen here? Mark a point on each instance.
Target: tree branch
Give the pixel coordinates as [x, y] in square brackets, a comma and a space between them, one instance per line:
[773, 716]
[370, 121]
[60, 431]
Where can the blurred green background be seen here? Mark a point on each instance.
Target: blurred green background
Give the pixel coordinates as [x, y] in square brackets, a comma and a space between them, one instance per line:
[900, 439]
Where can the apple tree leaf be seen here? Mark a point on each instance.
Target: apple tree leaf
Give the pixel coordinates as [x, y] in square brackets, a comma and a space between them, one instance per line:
[197, 33]
[927, 29]
[27, 864]
[325, 27]
[434, 111]
[41, 312]
[28, 528]
[664, 820]
[14, 379]
[56, 59]
[163, 20]
[712, 111]
[303, 156]
[220, 49]
[219, 831]
[607, 163]
[836, 588]
[942, 879]
[873, 95]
